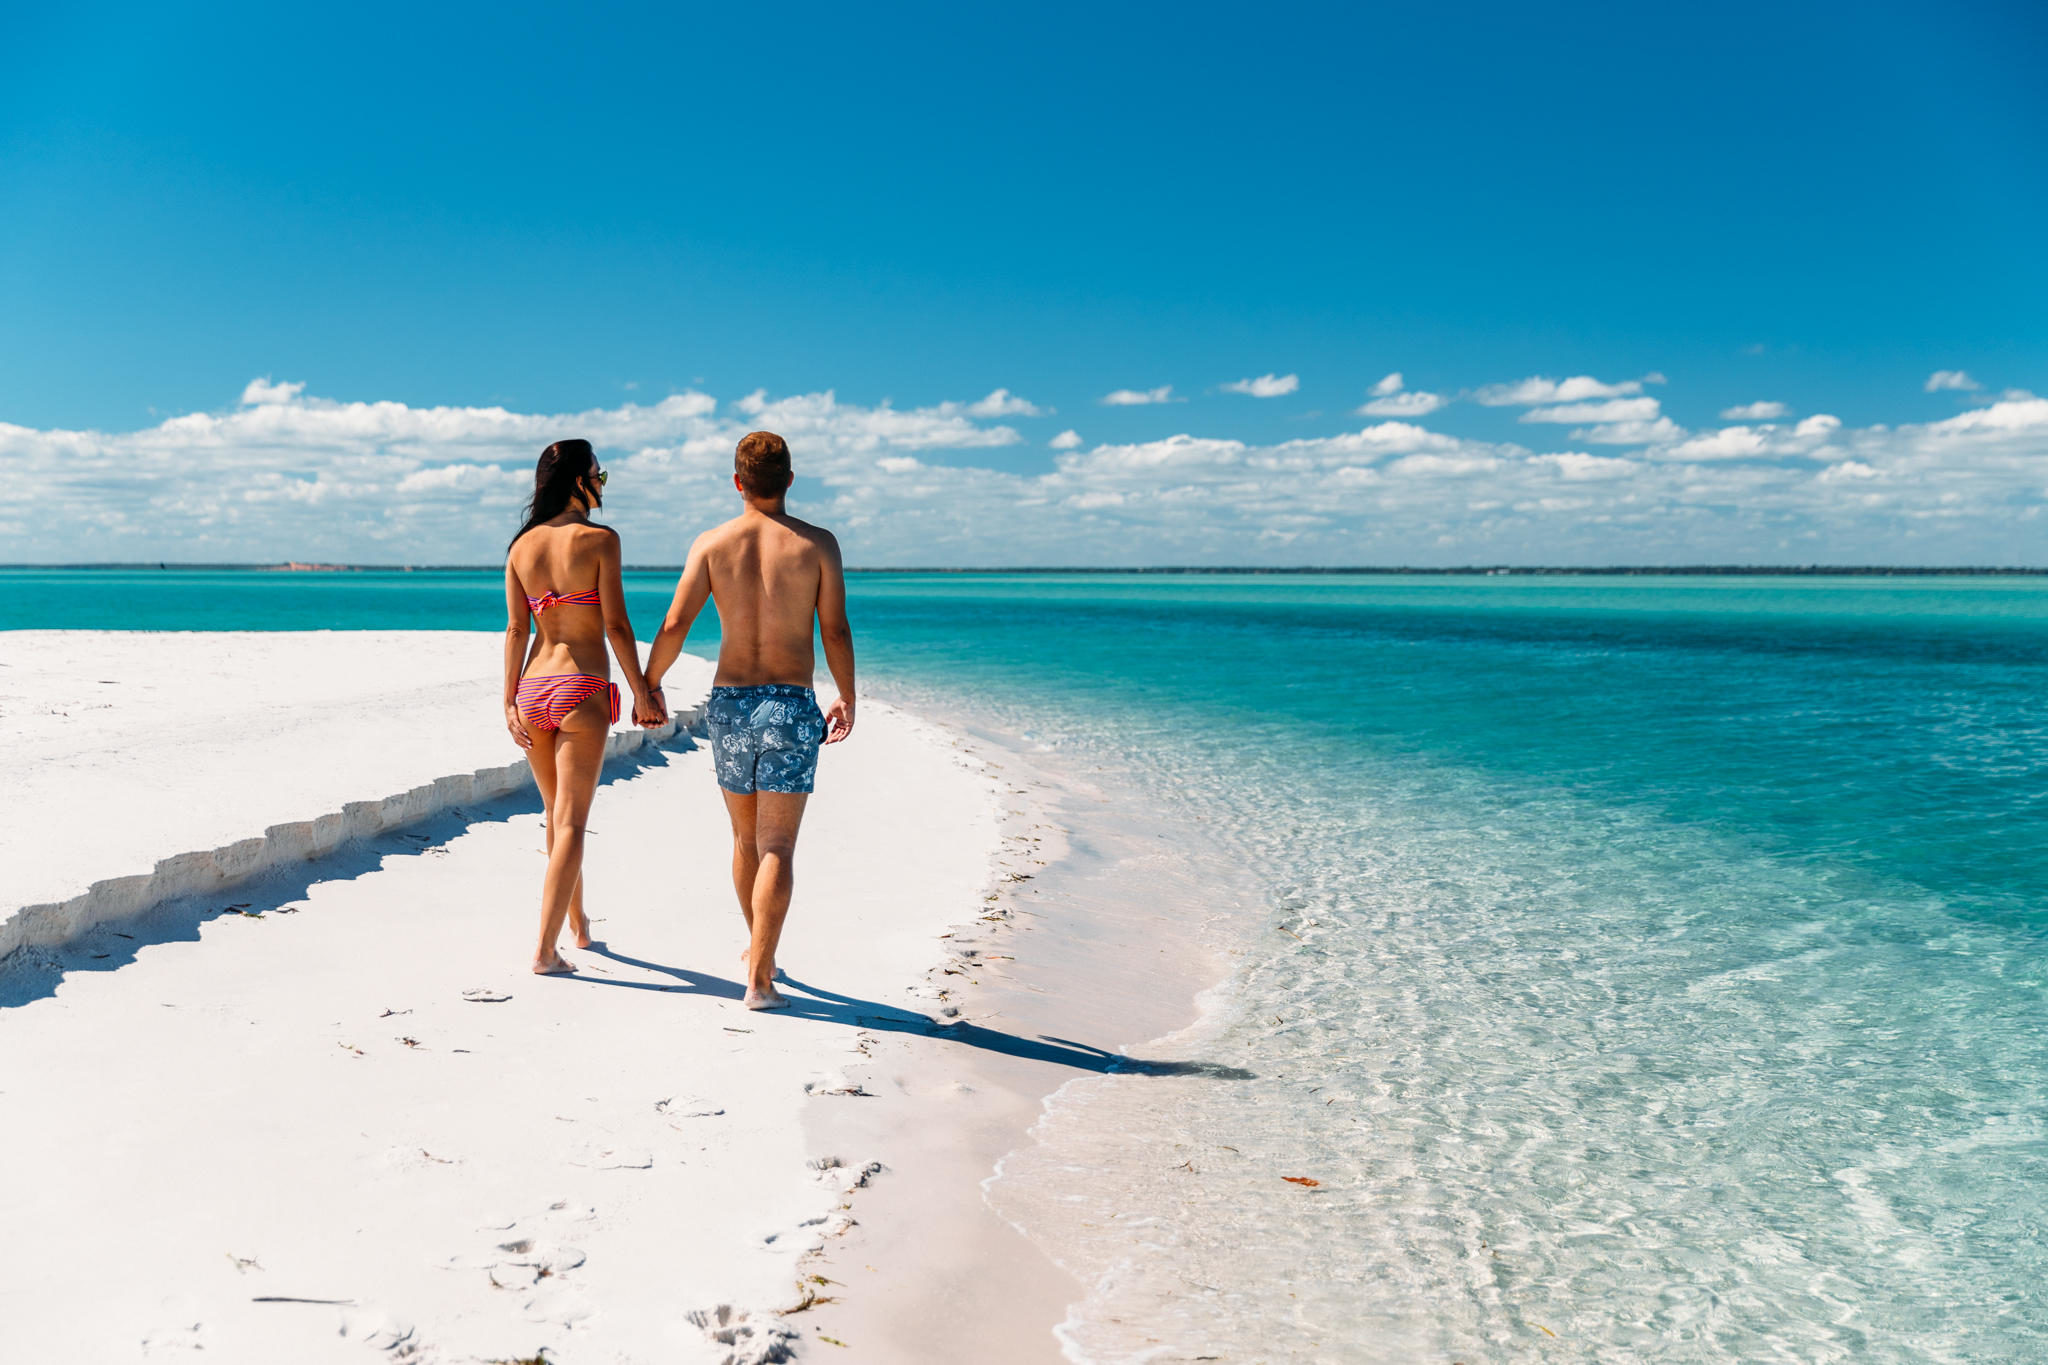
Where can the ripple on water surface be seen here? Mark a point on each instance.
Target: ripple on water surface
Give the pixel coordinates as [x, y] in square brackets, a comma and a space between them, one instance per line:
[1668, 992]
[1651, 969]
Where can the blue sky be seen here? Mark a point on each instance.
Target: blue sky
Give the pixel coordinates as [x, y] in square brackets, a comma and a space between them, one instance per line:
[558, 213]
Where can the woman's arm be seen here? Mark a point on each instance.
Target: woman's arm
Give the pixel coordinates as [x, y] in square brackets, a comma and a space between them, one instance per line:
[518, 617]
[618, 628]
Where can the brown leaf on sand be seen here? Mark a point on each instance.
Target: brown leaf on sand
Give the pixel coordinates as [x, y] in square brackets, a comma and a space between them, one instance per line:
[1301, 1180]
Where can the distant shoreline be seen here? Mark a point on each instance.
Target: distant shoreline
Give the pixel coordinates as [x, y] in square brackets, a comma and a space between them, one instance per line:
[1469, 570]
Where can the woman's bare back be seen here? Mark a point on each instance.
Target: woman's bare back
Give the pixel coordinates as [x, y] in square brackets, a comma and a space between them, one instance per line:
[564, 560]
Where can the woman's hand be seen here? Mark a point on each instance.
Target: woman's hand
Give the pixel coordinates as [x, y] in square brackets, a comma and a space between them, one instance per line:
[650, 709]
[516, 723]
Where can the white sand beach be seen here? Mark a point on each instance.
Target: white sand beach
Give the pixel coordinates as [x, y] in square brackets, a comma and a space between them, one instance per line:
[149, 764]
[341, 1119]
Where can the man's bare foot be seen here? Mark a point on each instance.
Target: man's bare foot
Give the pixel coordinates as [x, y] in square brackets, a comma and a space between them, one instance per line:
[764, 1000]
[747, 962]
[555, 966]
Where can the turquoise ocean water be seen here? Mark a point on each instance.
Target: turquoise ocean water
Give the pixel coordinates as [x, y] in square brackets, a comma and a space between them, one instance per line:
[1665, 972]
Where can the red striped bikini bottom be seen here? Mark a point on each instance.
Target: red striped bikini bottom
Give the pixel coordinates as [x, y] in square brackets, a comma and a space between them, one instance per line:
[545, 701]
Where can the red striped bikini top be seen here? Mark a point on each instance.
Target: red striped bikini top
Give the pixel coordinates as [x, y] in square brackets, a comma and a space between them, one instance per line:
[586, 598]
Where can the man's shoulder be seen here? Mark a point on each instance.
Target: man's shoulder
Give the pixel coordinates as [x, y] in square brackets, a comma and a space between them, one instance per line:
[812, 532]
[719, 534]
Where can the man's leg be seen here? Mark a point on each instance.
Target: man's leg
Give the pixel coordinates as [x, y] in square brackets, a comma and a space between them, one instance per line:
[777, 816]
[746, 859]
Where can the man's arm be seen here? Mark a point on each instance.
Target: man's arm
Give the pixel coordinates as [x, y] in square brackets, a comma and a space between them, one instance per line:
[692, 590]
[838, 637]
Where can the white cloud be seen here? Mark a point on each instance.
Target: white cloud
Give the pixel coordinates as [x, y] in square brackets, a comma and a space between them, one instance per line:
[1066, 440]
[1951, 379]
[1391, 384]
[469, 477]
[847, 427]
[1729, 443]
[1414, 404]
[1630, 433]
[1577, 466]
[1614, 410]
[263, 391]
[1538, 389]
[1755, 412]
[1132, 398]
[2017, 412]
[1266, 385]
[1436, 466]
[378, 482]
[1003, 403]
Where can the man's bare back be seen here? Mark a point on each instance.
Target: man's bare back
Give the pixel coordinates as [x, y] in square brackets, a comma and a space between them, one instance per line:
[772, 577]
[766, 574]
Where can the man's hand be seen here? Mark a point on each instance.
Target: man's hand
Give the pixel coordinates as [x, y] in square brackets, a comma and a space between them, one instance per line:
[516, 723]
[650, 710]
[839, 720]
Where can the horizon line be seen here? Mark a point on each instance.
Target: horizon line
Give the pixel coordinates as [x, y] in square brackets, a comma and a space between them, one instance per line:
[1499, 570]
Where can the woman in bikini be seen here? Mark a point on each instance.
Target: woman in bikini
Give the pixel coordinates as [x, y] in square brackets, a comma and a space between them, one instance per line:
[562, 577]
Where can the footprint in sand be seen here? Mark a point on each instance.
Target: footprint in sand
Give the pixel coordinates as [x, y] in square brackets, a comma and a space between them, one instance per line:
[678, 1110]
[605, 1155]
[184, 1339]
[535, 1256]
[753, 1341]
[379, 1331]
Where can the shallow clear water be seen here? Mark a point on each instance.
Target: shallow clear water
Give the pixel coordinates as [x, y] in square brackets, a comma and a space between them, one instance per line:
[1654, 968]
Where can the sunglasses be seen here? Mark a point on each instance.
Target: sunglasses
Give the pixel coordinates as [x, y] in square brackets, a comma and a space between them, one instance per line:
[603, 477]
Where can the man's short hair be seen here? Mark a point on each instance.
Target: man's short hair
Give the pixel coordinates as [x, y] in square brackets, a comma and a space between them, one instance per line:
[762, 463]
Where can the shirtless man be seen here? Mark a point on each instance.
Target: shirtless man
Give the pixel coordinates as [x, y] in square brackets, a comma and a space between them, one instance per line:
[771, 576]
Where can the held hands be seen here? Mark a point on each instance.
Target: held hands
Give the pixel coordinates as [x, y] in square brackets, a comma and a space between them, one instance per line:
[516, 724]
[839, 720]
[650, 709]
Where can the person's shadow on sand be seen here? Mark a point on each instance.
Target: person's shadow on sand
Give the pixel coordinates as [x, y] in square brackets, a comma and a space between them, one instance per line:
[830, 1007]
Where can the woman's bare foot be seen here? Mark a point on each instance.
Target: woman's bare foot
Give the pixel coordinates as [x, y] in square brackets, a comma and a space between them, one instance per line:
[555, 965]
[769, 999]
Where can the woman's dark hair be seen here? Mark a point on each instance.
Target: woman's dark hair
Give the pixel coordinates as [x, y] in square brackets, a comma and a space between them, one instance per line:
[559, 473]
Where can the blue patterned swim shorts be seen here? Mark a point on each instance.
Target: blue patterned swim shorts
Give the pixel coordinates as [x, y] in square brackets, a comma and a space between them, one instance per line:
[765, 738]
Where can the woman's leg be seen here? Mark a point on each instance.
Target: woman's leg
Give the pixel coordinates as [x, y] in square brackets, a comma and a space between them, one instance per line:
[578, 761]
[541, 757]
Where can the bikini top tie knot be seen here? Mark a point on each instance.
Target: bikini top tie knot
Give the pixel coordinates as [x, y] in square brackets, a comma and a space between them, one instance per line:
[586, 598]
